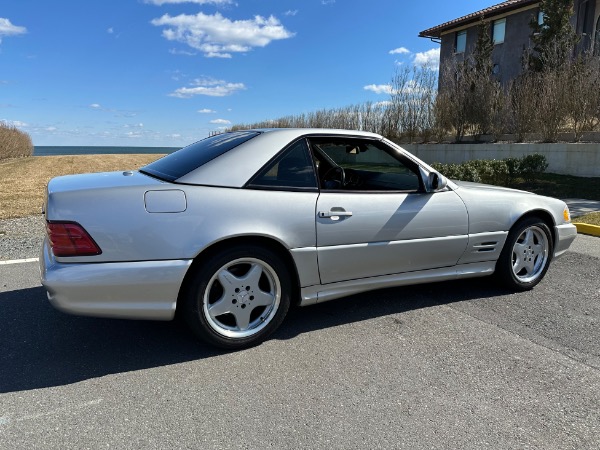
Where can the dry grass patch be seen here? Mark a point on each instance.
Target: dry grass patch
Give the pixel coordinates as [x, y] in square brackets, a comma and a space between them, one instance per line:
[23, 181]
[591, 219]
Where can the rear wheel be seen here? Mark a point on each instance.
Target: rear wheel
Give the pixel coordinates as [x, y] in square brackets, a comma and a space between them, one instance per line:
[526, 254]
[239, 297]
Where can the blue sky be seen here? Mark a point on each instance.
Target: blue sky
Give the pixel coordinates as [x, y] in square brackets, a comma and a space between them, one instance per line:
[167, 72]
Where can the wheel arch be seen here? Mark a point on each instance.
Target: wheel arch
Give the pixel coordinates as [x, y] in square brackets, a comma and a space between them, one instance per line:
[261, 241]
[545, 216]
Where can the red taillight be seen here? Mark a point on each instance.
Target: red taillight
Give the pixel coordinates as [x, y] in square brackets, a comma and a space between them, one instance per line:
[70, 239]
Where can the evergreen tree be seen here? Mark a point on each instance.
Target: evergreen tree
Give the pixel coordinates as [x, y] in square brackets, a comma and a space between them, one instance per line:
[484, 88]
[482, 54]
[554, 39]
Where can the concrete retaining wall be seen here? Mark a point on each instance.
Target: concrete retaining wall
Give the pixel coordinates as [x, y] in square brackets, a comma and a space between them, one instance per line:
[582, 160]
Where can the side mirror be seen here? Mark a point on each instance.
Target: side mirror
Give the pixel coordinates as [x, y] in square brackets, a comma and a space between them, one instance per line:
[434, 181]
[437, 181]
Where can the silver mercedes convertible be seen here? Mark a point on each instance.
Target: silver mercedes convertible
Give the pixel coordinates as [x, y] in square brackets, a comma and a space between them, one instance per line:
[231, 231]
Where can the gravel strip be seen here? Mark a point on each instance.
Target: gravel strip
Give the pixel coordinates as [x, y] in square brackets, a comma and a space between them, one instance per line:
[21, 238]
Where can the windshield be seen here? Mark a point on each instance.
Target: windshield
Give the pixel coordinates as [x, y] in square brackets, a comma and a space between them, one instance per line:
[181, 162]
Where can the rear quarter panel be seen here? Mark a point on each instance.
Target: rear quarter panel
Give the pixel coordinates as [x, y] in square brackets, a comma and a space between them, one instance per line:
[115, 215]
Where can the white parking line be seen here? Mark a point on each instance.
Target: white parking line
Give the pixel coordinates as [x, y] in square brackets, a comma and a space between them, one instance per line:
[18, 261]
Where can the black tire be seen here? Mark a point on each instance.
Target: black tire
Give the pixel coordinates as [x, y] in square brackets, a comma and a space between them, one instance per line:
[526, 255]
[238, 297]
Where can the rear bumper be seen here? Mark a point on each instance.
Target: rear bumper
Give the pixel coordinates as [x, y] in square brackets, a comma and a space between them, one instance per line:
[129, 290]
[565, 235]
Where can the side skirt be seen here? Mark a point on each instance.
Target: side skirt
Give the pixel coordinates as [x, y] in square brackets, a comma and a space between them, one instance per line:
[322, 293]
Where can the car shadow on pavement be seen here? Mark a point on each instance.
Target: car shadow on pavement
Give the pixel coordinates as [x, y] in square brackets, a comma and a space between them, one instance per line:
[41, 347]
[385, 302]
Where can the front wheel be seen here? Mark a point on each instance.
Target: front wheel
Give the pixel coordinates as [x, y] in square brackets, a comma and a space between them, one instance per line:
[239, 297]
[526, 255]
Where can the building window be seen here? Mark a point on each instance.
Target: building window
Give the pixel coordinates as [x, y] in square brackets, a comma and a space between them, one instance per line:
[541, 18]
[582, 18]
[461, 42]
[498, 31]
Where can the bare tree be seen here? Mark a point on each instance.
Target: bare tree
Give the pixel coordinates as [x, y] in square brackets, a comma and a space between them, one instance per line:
[453, 99]
[522, 97]
[551, 86]
[14, 143]
[582, 95]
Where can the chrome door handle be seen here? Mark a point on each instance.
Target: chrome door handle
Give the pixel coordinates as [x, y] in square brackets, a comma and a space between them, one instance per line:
[335, 214]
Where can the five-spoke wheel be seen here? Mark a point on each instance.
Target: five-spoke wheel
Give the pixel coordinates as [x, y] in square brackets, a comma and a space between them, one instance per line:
[526, 254]
[242, 297]
[239, 297]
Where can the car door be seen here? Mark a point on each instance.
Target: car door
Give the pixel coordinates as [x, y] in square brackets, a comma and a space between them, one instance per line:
[378, 220]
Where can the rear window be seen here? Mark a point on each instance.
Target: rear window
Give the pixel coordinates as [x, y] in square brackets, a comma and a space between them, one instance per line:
[189, 158]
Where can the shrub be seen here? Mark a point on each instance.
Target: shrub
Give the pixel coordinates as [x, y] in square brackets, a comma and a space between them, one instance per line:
[496, 172]
[464, 172]
[13, 142]
[503, 172]
[533, 165]
[513, 167]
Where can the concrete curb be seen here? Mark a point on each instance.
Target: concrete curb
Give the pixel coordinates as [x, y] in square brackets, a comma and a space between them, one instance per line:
[586, 228]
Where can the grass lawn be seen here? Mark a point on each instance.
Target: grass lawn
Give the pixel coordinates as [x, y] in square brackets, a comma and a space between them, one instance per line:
[563, 186]
[23, 180]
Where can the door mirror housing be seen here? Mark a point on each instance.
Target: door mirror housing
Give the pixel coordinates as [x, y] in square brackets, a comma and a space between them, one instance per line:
[434, 181]
[437, 181]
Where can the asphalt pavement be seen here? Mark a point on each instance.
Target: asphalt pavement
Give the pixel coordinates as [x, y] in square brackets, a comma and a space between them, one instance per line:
[449, 365]
[580, 206]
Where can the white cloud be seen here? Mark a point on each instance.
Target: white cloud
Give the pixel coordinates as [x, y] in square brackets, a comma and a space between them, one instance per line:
[135, 125]
[379, 88]
[110, 30]
[217, 55]
[174, 51]
[220, 122]
[290, 12]
[327, 2]
[8, 29]
[217, 36]
[400, 51]
[177, 75]
[115, 112]
[14, 123]
[206, 111]
[199, 2]
[411, 87]
[50, 129]
[429, 59]
[210, 87]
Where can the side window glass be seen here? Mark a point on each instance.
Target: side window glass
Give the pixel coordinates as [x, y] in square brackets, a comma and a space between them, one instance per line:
[293, 169]
[359, 165]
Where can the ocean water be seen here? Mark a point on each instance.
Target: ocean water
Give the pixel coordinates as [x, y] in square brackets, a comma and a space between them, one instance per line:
[44, 150]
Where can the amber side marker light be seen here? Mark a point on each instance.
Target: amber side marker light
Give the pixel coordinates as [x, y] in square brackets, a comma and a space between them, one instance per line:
[567, 214]
[70, 239]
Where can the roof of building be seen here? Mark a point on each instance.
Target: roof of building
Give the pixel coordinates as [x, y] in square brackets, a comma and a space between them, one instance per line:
[500, 8]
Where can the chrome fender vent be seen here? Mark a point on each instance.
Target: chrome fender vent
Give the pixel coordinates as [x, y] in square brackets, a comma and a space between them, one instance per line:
[489, 246]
